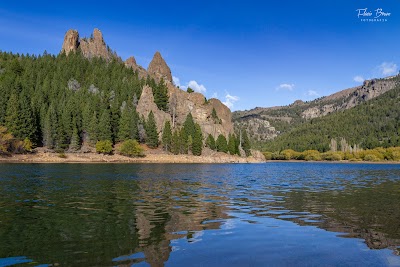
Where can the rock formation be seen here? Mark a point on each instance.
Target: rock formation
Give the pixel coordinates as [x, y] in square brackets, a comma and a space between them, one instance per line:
[131, 63]
[146, 104]
[159, 68]
[71, 41]
[90, 47]
[180, 102]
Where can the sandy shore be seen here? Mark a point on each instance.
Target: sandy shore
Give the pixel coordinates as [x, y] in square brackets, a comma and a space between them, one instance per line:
[157, 157]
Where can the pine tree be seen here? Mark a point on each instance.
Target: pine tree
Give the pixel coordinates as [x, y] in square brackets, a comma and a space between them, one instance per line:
[75, 139]
[151, 131]
[126, 126]
[167, 136]
[94, 129]
[12, 115]
[231, 144]
[104, 130]
[175, 148]
[197, 145]
[246, 143]
[183, 141]
[50, 130]
[221, 144]
[189, 125]
[210, 142]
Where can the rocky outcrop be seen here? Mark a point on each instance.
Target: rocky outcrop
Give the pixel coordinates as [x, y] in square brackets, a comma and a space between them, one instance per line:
[146, 104]
[89, 47]
[181, 103]
[71, 41]
[158, 68]
[131, 63]
[349, 98]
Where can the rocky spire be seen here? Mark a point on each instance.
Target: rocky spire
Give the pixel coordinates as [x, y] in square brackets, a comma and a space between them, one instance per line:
[159, 68]
[90, 47]
[71, 41]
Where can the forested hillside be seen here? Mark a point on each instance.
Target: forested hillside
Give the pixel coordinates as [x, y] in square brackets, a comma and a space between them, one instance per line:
[375, 123]
[61, 102]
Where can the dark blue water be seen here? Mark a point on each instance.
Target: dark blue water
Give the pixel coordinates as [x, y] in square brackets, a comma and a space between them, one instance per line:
[274, 214]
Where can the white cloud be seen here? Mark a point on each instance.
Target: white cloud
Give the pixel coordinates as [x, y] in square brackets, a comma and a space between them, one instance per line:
[192, 84]
[285, 86]
[312, 93]
[388, 68]
[197, 87]
[230, 100]
[176, 81]
[358, 79]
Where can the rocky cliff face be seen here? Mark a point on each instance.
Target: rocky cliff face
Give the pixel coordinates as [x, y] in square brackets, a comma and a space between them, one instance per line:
[158, 68]
[71, 41]
[90, 47]
[180, 102]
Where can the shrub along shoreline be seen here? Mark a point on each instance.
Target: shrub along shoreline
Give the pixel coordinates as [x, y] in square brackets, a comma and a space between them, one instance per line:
[378, 154]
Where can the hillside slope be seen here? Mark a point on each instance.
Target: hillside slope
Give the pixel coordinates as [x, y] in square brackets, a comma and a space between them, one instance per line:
[267, 123]
[372, 123]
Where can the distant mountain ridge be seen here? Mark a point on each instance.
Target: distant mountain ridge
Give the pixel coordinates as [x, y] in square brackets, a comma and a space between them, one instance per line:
[267, 123]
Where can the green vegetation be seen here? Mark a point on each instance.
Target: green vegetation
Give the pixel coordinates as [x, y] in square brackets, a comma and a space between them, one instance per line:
[189, 90]
[167, 137]
[221, 144]
[151, 131]
[131, 148]
[104, 147]
[376, 154]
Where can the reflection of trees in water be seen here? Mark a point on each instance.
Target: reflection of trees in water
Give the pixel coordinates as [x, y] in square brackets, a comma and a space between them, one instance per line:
[369, 213]
[90, 222]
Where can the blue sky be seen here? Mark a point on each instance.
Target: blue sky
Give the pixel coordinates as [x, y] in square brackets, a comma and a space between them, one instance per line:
[246, 53]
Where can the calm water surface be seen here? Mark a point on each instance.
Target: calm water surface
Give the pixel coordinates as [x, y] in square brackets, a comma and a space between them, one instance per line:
[274, 214]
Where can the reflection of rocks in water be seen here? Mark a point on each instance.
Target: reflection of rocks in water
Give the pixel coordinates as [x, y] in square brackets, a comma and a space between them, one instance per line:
[168, 212]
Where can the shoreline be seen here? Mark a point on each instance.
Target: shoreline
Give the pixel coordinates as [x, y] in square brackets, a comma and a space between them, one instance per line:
[44, 158]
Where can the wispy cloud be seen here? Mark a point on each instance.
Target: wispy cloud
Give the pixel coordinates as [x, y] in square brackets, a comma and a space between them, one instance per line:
[214, 95]
[312, 93]
[387, 68]
[192, 84]
[230, 100]
[285, 86]
[358, 79]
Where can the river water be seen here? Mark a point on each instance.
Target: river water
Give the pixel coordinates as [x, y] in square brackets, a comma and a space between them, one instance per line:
[272, 214]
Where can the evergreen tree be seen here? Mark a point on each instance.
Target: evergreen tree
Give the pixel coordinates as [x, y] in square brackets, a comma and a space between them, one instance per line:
[210, 142]
[12, 115]
[246, 143]
[197, 145]
[75, 139]
[183, 141]
[151, 131]
[104, 130]
[126, 126]
[94, 129]
[231, 144]
[50, 128]
[189, 125]
[167, 136]
[221, 144]
[176, 146]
